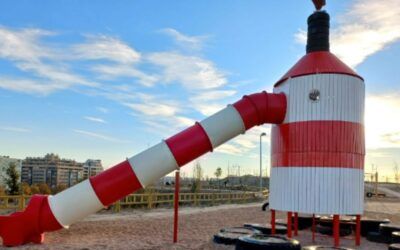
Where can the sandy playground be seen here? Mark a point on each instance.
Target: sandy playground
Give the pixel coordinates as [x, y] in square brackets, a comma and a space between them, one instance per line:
[152, 229]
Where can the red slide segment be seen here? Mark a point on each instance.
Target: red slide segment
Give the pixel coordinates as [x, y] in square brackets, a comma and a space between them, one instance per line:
[260, 108]
[114, 183]
[29, 226]
[189, 144]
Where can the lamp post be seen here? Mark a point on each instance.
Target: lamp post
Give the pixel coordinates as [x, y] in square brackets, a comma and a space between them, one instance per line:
[261, 135]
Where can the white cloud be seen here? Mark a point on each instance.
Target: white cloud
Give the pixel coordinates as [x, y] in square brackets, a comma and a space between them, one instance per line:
[103, 47]
[94, 119]
[102, 110]
[154, 109]
[208, 109]
[98, 136]
[247, 143]
[213, 95]
[229, 149]
[123, 70]
[15, 129]
[29, 86]
[24, 44]
[382, 123]
[30, 54]
[367, 27]
[191, 42]
[192, 72]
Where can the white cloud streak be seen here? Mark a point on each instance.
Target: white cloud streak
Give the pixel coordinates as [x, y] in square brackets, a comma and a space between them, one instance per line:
[192, 72]
[103, 47]
[14, 129]
[94, 119]
[99, 136]
[190, 42]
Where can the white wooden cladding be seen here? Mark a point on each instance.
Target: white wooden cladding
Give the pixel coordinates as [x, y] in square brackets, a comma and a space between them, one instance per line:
[341, 98]
[317, 190]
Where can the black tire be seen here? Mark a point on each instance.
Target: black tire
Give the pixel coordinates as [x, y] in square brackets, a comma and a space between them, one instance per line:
[388, 229]
[283, 222]
[346, 222]
[266, 242]
[369, 194]
[325, 248]
[396, 237]
[264, 206]
[329, 231]
[371, 225]
[305, 221]
[229, 236]
[394, 247]
[378, 238]
[267, 229]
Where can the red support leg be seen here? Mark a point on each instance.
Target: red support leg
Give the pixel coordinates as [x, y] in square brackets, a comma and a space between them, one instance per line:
[296, 223]
[272, 221]
[336, 228]
[176, 206]
[358, 230]
[313, 228]
[289, 224]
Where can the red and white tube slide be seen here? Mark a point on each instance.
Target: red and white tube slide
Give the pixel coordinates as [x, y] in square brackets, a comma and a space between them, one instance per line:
[49, 213]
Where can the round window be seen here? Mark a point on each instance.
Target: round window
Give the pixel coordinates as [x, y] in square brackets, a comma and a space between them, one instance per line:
[314, 95]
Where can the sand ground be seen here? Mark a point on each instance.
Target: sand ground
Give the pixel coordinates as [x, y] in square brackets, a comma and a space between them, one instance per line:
[152, 229]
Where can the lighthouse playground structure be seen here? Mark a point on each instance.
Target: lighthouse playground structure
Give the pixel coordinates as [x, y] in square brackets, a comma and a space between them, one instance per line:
[317, 155]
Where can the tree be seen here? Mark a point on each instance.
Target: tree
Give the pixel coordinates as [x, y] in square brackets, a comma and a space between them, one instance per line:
[44, 188]
[2, 191]
[218, 174]
[197, 176]
[12, 179]
[35, 189]
[59, 188]
[26, 189]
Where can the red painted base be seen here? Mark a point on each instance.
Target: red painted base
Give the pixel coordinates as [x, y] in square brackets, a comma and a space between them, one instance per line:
[28, 226]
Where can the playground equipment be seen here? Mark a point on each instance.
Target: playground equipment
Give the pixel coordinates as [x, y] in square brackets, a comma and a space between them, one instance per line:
[317, 148]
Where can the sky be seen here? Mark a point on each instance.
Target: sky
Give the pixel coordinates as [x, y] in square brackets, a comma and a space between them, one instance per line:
[108, 79]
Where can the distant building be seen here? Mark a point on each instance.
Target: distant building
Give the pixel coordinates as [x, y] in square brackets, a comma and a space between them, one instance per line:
[4, 163]
[51, 170]
[91, 168]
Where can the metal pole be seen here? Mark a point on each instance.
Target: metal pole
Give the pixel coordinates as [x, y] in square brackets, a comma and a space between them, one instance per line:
[358, 230]
[313, 228]
[289, 225]
[176, 206]
[260, 163]
[272, 221]
[336, 228]
[261, 135]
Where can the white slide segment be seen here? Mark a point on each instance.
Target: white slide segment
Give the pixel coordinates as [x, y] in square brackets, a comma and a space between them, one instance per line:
[341, 98]
[223, 126]
[152, 163]
[295, 189]
[81, 195]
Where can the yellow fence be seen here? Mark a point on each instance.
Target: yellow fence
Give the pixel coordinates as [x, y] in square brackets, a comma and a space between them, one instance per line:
[151, 200]
[154, 199]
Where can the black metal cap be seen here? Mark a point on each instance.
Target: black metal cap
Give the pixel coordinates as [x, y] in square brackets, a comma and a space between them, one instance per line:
[318, 32]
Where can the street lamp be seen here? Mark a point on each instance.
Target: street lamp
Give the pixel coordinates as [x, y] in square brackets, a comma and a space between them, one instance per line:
[261, 135]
